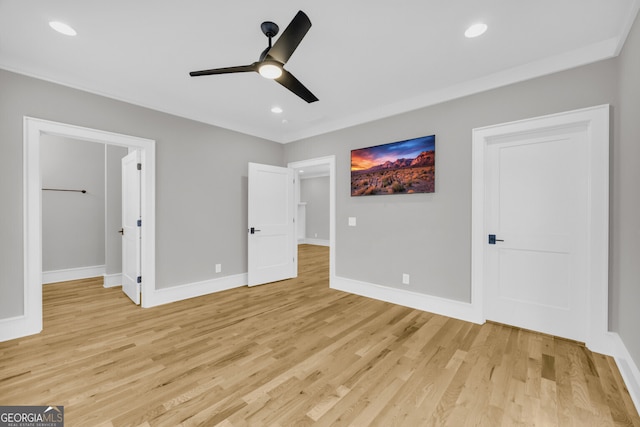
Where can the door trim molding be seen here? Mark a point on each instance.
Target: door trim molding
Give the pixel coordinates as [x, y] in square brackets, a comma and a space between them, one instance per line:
[32, 208]
[596, 120]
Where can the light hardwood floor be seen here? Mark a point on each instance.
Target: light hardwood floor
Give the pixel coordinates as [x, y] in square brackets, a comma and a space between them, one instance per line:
[297, 353]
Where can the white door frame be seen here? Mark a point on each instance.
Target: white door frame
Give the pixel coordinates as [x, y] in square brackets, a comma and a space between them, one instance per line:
[329, 161]
[31, 323]
[596, 120]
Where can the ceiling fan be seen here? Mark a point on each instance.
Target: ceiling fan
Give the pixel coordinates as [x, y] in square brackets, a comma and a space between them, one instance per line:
[272, 59]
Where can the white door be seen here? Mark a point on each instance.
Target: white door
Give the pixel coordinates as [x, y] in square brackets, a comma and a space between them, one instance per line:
[271, 228]
[131, 224]
[537, 209]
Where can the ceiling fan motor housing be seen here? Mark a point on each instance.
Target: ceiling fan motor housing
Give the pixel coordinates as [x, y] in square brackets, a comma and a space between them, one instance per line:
[270, 29]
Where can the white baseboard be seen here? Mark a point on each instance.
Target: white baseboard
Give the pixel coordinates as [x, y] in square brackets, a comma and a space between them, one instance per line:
[72, 274]
[628, 369]
[443, 306]
[112, 280]
[18, 327]
[192, 290]
[310, 241]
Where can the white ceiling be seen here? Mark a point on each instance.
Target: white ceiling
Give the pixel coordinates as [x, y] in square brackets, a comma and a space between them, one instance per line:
[363, 59]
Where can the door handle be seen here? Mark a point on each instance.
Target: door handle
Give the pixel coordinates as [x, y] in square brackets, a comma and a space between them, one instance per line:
[253, 230]
[121, 231]
[493, 240]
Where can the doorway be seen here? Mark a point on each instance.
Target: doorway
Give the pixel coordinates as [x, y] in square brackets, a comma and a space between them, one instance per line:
[81, 210]
[326, 163]
[34, 128]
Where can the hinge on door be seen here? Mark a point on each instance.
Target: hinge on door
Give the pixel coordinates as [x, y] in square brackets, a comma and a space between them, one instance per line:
[139, 166]
[139, 223]
[139, 279]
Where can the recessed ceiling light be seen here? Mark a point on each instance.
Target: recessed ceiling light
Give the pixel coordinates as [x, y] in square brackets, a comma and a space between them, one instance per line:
[62, 28]
[475, 30]
[276, 110]
[300, 171]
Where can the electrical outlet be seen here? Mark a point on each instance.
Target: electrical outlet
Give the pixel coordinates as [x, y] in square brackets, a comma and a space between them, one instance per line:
[352, 221]
[405, 279]
[218, 268]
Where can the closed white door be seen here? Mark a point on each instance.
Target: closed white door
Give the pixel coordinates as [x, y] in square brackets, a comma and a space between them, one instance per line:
[131, 225]
[536, 221]
[271, 228]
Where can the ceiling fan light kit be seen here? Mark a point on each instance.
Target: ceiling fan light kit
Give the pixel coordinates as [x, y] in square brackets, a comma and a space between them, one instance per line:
[270, 70]
[272, 60]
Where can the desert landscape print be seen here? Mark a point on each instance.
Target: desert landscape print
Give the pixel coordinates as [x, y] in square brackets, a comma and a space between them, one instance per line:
[402, 167]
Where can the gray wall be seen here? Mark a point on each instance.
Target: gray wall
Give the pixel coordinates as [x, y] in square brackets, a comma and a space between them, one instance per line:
[113, 212]
[315, 191]
[81, 230]
[429, 235]
[72, 223]
[201, 182]
[625, 199]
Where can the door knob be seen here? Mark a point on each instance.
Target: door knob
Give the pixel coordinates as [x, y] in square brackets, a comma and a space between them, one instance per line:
[253, 230]
[121, 231]
[493, 240]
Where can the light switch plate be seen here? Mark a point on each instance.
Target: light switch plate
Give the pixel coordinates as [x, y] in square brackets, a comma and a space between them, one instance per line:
[352, 221]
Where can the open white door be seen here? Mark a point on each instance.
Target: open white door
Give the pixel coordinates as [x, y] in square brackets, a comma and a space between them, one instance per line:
[271, 228]
[131, 222]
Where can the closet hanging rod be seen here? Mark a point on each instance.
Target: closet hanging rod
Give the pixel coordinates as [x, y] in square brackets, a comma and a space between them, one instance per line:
[60, 189]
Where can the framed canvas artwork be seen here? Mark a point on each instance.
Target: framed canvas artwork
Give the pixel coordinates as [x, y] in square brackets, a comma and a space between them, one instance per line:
[403, 167]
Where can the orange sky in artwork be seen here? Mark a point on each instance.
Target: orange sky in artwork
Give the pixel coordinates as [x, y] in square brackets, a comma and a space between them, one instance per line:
[359, 162]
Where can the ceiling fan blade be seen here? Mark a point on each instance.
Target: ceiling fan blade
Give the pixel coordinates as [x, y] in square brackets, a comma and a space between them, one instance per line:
[290, 82]
[226, 70]
[290, 38]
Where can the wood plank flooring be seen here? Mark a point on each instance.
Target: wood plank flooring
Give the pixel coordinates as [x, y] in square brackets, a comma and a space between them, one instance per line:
[296, 353]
